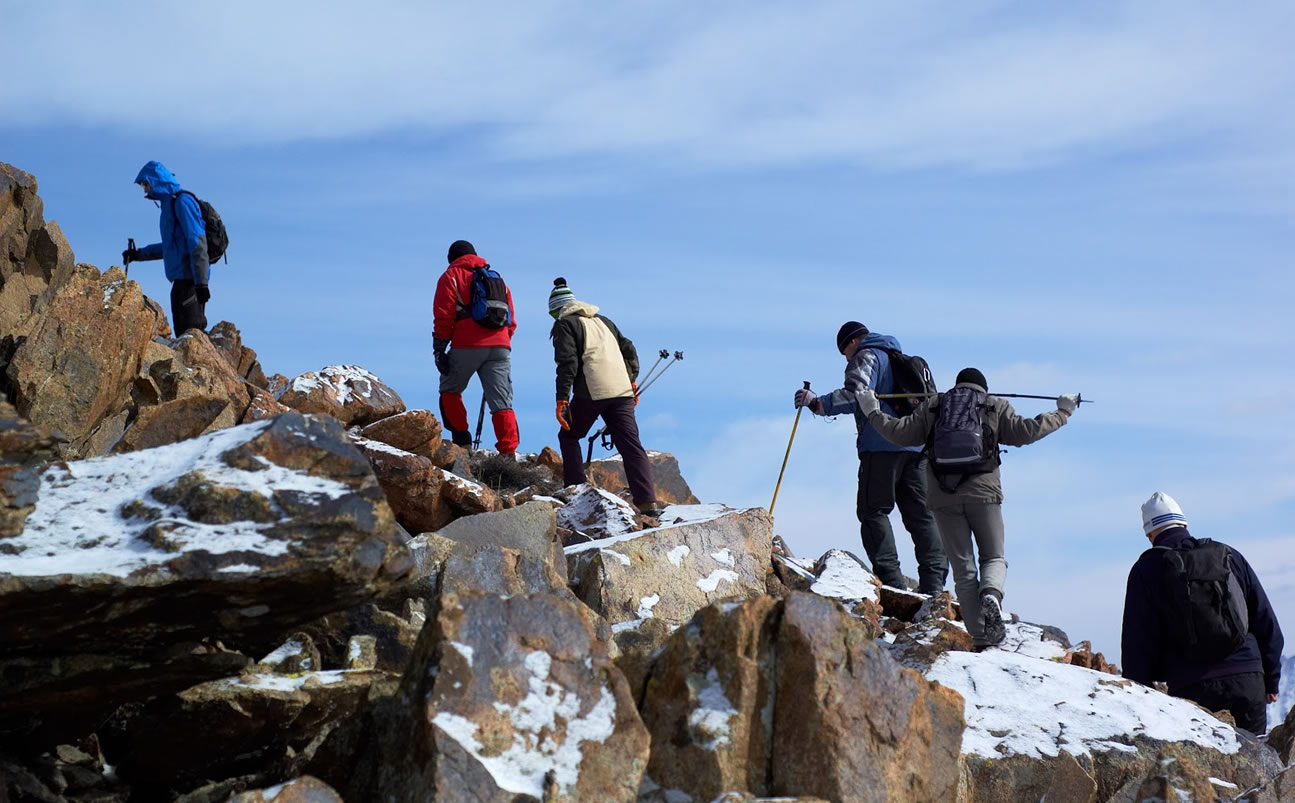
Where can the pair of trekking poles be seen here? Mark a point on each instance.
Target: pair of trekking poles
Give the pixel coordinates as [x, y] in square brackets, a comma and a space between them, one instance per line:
[796, 423]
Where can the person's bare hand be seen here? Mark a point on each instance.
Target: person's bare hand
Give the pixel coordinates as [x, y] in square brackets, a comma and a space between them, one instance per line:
[1272, 698]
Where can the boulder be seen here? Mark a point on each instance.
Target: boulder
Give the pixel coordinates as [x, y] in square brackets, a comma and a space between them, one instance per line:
[75, 364]
[348, 393]
[262, 406]
[550, 459]
[1282, 738]
[900, 604]
[597, 513]
[229, 342]
[240, 535]
[24, 449]
[35, 259]
[390, 626]
[257, 724]
[306, 789]
[414, 487]
[1027, 718]
[507, 699]
[467, 498]
[530, 529]
[608, 473]
[841, 575]
[453, 457]
[1083, 655]
[919, 644]
[792, 698]
[464, 566]
[415, 431]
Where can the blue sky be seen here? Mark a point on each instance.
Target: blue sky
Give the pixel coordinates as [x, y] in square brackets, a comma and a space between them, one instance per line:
[1093, 199]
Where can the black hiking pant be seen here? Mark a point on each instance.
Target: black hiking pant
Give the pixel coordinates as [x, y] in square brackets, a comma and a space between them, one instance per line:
[887, 479]
[1244, 695]
[618, 414]
[187, 312]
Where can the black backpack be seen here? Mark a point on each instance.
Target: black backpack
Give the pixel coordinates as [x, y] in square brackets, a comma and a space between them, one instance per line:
[217, 237]
[911, 374]
[1205, 609]
[487, 300]
[960, 444]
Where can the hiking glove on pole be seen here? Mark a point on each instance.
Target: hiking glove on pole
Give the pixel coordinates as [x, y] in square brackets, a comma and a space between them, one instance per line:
[562, 415]
[203, 292]
[1067, 402]
[439, 356]
[807, 398]
[129, 255]
[867, 401]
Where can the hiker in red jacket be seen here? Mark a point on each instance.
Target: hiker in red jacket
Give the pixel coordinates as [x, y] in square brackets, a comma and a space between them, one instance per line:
[477, 349]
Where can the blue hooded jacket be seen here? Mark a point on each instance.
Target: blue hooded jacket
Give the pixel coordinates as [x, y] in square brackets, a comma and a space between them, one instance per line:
[183, 249]
[869, 368]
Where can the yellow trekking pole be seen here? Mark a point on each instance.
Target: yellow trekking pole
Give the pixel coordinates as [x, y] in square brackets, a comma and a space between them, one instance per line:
[787, 455]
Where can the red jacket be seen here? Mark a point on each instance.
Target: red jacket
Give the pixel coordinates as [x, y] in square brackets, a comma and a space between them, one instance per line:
[452, 293]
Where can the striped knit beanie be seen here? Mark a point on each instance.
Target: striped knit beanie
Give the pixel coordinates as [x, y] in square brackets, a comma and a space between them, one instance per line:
[1161, 511]
[560, 297]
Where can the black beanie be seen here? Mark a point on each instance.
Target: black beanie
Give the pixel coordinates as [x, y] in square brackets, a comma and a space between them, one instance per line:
[973, 376]
[849, 331]
[460, 248]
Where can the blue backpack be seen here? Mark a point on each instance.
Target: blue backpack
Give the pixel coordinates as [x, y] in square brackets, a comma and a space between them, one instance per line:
[487, 300]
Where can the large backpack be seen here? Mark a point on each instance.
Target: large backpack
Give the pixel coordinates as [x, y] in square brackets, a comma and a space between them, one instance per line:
[960, 443]
[911, 374]
[487, 300]
[1206, 615]
[217, 237]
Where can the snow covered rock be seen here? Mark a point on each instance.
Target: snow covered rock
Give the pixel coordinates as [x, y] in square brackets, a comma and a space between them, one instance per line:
[792, 697]
[608, 473]
[240, 535]
[74, 363]
[412, 485]
[505, 698]
[348, 393]
[1027, 717]
[467, 498]
[597, 513]
[650, 582]
[306, 789]
[256, 723]
[416, 431]
[841, 575]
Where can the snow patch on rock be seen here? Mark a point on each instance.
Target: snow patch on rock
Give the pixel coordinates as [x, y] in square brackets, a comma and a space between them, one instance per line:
[711, 581]
[844, 578]
[677, 554]
[710, 719]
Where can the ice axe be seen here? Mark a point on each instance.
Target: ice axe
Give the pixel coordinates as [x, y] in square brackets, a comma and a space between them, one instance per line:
[790, 440]
[130, 248]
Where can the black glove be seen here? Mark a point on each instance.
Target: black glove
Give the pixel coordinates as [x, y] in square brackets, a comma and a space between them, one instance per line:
[129, 255]
[440, 356]
[203, 293]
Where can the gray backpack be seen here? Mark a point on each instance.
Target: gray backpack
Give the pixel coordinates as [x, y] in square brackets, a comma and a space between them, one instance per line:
[960, 444]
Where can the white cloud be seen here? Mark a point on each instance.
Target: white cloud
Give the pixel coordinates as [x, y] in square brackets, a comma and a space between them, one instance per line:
[981, 85]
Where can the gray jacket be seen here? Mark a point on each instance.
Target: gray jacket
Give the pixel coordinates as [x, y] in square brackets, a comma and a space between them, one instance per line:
[999, 417]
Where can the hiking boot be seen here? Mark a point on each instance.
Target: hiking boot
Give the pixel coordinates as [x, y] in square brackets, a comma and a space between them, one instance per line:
[653, 508]
[991, 619]
[463, 439]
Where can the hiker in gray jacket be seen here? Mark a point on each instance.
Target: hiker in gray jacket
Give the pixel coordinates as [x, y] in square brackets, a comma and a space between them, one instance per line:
[967, 500]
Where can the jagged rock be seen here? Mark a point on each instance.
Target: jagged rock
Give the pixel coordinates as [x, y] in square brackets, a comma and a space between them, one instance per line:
[900, 604]
[841, 575]
[597, 513]
[919, 644]
[1281, 789]
[240, 535]
[793, 698]
[550, 459]
[392, 626]
[262, 406]
[348, 393]
[608, 473]
[229, 342]
[414, 487]
[453, 458]
[1025, 715]
[75, 363]
[467, 498]
[792, 575]
[1071, 783]
[296, 655]
[416, 431]
[24, 449]
[35, 259]
[1282, 738]
[509, 697]
[306, 789]
[1083, 655]
[250, 725]
[362, 652]
[464, 565]
[531, 529]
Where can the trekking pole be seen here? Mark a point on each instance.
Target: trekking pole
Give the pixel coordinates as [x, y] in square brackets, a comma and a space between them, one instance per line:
[661, 355]
[481, 420]
[130, 246]
[1080, 397]
[678, 355]
[795, 424]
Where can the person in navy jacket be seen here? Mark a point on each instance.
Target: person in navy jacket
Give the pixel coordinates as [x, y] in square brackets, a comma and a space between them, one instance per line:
[1242, 682]
[183, 249]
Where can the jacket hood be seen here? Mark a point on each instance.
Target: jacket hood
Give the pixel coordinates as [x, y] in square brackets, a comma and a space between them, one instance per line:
[161, 182]
[468, 262]
[878, 341]
[578, 308]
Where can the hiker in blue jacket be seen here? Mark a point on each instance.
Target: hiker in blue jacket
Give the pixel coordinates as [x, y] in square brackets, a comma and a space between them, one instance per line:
[888, 474]
[183, 249]
[1242, 681]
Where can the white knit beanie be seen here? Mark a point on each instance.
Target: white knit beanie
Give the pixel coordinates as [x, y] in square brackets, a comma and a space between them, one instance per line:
[1160, 511]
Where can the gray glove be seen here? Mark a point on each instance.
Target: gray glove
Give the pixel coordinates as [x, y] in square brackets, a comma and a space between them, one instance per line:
[807, 398]
[1068, 402]
[867, 401]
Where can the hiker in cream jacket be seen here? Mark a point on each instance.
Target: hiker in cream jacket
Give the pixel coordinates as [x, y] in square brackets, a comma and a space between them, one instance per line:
[598, 370]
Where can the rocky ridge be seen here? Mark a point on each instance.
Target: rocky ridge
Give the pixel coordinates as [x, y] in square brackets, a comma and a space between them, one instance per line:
[346, 606]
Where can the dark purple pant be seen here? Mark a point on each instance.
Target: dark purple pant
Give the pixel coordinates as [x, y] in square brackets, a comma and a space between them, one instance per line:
[618, 414]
